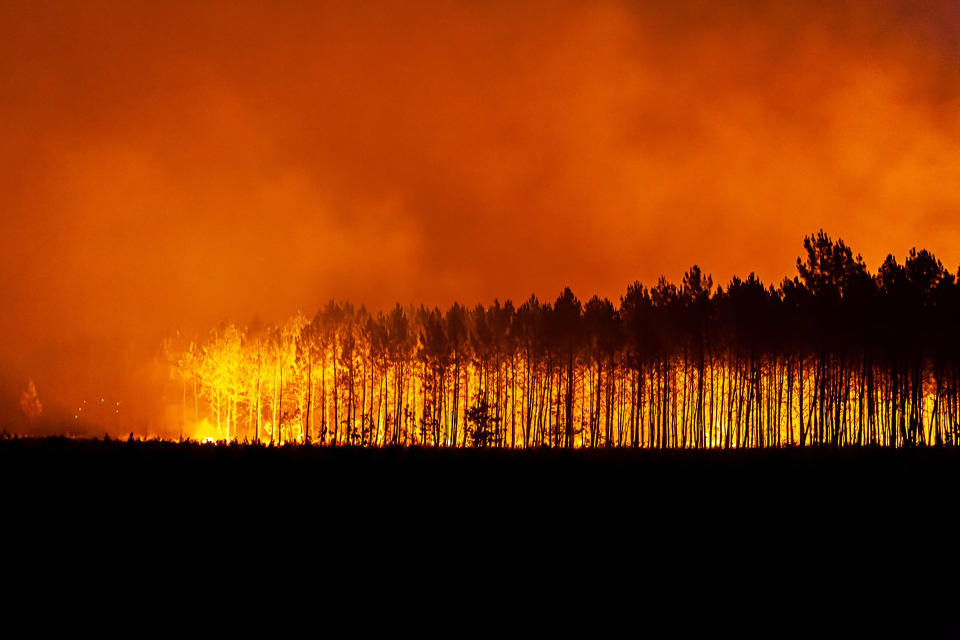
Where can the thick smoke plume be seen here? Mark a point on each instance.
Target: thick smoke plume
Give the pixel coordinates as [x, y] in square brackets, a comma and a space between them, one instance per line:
[166, 165]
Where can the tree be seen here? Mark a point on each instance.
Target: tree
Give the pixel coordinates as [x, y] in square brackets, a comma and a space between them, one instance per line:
[30, 402]
[566, 317]
[482, 424]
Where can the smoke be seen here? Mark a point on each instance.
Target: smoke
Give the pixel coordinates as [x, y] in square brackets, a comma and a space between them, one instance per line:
[167, 166]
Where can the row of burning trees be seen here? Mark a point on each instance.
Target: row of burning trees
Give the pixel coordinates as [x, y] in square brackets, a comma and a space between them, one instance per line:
[836, 355]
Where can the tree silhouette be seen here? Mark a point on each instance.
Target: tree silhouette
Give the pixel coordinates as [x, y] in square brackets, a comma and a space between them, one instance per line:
[832, 356]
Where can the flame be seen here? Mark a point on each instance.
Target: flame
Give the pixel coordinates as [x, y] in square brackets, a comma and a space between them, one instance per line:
[299, 383]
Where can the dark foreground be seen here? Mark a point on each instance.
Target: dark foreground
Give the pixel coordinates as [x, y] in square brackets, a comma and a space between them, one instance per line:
[782, 491]
[922, 480]
[865, 534]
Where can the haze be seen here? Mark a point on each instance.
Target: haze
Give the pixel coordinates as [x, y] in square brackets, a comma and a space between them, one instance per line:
[166, 166]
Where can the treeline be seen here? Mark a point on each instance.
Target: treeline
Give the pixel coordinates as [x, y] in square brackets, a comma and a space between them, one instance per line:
[835, 355]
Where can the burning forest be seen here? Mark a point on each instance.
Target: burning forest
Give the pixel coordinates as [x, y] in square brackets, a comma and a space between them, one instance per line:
[501, 201]
[836, 355]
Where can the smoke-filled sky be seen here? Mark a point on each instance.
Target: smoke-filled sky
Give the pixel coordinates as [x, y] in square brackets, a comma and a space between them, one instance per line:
[167, 165]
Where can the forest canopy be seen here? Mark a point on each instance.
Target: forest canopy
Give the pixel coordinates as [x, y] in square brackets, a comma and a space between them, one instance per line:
[836, 355]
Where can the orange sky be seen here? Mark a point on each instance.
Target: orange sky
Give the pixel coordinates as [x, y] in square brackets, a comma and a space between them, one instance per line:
[172, 164]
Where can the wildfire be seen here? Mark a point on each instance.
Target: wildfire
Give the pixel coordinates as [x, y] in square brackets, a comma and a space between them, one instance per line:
[748, 366]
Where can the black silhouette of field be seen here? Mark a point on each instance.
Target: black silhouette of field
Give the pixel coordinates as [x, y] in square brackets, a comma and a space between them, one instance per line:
[798, 486]
[857, 538]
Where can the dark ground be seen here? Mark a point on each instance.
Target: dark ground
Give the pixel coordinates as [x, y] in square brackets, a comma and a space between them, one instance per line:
[619, 484]
[829, 542]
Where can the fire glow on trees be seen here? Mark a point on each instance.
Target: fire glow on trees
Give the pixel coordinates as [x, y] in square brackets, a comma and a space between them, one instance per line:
[833, 356]
[167, 165]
